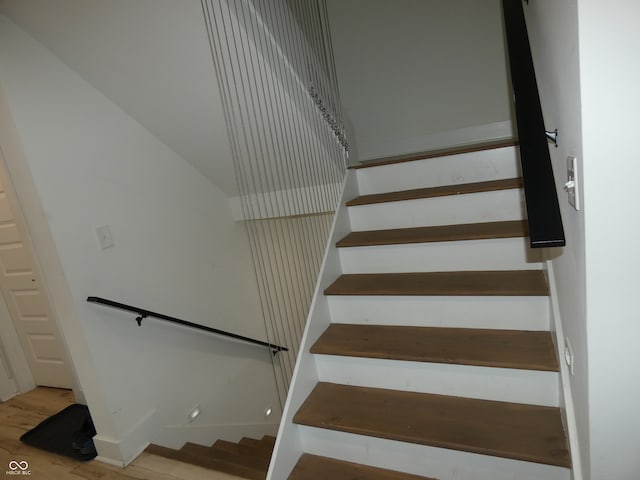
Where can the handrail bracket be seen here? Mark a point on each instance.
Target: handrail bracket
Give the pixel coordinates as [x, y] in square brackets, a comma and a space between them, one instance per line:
[553, 136]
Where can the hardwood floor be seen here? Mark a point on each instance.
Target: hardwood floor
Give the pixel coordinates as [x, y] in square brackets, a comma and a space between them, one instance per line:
[23, 412]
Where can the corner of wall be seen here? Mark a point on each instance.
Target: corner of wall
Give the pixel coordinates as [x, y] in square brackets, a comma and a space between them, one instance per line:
[123, 451]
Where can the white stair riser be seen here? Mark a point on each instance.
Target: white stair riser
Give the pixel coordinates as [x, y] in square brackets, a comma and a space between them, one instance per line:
[514, 313]
[486, 383]
[433, 172]
[433, 462]
[453, 209]
[491, 254]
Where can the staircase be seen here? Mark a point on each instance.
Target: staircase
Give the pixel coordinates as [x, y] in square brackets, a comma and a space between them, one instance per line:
[428, 351]
[249, 458]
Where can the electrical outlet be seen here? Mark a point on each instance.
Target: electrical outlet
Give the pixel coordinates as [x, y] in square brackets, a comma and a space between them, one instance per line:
[571, 187]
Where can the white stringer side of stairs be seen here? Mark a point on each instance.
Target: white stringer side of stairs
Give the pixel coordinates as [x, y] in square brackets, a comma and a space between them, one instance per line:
[288, 447]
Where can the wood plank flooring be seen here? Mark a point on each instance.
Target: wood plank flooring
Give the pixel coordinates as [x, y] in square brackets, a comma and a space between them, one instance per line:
[24, 412]
[440, 233]
[464, 346]
[511, 430]
[512, 282]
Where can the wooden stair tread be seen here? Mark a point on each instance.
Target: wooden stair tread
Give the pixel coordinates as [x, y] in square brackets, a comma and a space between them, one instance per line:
[162, 451]
[444, 152]
[225, 446]
[248, 441]
[440, 191]
[441, 233]
[510, 430]
[249, 457]
[266, 443]
[467, 346]
[258, 450]
[472, 283]
[313, 467]
[250, 460]
[206, 461]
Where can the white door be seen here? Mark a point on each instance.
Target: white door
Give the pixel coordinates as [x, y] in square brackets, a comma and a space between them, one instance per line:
[25, 300]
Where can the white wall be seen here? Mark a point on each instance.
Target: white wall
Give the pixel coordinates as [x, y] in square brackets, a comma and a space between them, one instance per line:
[416, 74]
[149, 57]
[610, 76]
[177, 251]
[585, 53]
[553, 31]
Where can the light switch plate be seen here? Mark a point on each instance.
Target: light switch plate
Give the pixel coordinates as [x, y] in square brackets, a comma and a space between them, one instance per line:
[572, 186]
[568, 355]
[105, 240]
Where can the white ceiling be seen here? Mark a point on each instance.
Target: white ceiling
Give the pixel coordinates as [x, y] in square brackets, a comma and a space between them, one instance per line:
[152, 59]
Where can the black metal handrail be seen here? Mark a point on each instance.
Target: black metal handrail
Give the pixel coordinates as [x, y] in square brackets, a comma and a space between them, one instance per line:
[543, 210]
[142, 314]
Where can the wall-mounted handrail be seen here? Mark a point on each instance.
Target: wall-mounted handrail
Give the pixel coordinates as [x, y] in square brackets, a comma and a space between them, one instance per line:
[142, 314]
[543, 210]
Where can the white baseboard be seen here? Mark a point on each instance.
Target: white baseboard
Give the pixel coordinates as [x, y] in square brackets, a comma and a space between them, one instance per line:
[434, 141]
[109, 461]
[566, 397]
